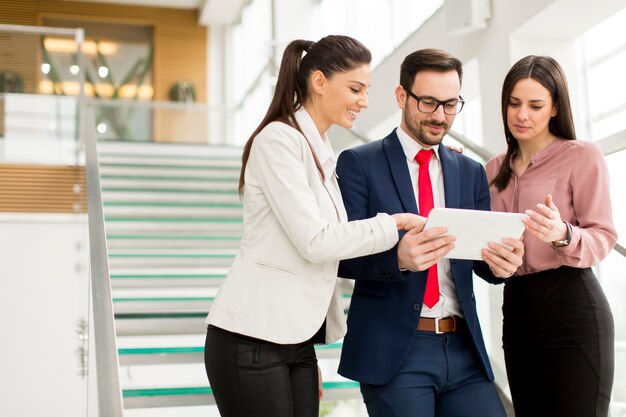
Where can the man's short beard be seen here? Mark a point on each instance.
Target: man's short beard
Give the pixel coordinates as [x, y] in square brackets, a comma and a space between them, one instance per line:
[420, 133]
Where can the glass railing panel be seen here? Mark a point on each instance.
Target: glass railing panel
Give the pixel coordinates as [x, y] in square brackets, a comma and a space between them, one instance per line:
[39, 129]
[163, 122]
[34, 129]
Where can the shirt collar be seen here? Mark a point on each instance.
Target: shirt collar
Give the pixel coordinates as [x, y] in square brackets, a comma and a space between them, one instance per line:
[410, 146]
[319, 143]
[545, 153]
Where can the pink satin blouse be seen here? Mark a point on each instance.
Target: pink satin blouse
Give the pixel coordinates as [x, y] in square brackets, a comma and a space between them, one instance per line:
[575, 174]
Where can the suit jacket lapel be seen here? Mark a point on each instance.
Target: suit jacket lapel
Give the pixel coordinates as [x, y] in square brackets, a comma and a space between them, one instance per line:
[451, 179]
[400, 172]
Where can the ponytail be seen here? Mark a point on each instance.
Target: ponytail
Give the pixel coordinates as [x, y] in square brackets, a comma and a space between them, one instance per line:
[283, 107]
[331, 54]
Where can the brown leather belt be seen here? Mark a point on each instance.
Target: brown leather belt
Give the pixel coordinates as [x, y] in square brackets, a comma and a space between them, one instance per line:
[439, 325]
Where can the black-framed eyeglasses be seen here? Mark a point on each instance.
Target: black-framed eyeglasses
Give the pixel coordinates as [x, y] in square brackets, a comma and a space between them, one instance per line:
[430, 104]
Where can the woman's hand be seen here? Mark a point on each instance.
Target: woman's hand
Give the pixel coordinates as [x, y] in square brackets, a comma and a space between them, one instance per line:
[546, 223]
[409, 221]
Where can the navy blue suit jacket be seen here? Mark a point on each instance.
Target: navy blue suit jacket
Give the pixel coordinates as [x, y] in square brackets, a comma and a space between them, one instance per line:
[386, 302]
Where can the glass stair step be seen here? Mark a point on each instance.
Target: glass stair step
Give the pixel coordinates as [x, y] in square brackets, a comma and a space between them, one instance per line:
[220, 184]
[173, 277]
[120, 258]
[172, 225]
[171, 306]
[192, 354]
[214, 177]
[113, 198]
[190, 165]
[136, 219]
[180, 210]
[166, 190]
[174, 397]
[160, 324]
[117, 241]
[169, 204]
[134, 150]
[233, 158]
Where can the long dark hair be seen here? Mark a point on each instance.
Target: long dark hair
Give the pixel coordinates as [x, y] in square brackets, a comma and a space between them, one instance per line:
[547, 72]
[331, 54]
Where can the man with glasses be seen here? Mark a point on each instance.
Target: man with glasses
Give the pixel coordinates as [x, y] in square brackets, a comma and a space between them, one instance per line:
[414, 341]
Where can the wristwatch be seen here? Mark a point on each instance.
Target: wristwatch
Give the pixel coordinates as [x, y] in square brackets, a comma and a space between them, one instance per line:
[568, 238]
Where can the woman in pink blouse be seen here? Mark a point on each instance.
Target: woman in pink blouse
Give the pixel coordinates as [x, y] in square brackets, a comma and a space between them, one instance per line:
[558, 329]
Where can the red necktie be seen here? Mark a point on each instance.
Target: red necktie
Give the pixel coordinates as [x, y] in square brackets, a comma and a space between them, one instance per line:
[425, 192]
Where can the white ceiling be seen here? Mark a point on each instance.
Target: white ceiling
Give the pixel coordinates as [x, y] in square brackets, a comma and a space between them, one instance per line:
[210, 12]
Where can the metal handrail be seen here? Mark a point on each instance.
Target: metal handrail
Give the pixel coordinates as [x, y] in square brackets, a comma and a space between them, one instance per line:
[613, 143]
[153, 104]
[39, 30]
[360, 136]
[483, 153]
[107, 360]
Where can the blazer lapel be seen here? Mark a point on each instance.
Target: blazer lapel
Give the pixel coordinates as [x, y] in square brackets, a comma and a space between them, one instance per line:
[400, 171]
[451, 179]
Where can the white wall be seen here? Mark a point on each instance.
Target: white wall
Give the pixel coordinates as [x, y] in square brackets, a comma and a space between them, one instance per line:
[44, 281]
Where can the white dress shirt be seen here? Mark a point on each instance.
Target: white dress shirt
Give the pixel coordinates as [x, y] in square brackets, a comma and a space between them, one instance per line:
[448, 303]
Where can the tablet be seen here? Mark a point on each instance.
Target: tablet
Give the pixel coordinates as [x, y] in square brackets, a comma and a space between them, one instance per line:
[474, 229]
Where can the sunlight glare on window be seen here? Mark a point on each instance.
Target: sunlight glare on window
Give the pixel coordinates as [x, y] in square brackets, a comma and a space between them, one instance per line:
[394, 20]
[601, 39]
[606, 86]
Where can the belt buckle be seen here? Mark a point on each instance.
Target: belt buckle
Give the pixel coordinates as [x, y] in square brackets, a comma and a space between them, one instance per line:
[437, 331]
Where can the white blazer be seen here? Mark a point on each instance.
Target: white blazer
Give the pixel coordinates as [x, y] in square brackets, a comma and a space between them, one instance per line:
[283, 282]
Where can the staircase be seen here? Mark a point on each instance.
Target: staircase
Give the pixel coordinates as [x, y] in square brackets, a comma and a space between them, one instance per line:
[173, 223]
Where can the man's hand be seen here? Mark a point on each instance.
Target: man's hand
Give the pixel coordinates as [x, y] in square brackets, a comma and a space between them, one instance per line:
[418, 250]
[503, 260]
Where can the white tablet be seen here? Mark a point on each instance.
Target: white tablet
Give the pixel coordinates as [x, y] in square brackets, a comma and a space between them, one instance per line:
[474, 229]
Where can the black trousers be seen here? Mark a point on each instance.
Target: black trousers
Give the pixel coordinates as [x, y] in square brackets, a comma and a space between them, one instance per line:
[558, 339]
[256, 378]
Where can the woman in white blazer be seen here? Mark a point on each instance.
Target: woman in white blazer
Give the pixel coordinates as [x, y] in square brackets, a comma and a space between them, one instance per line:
[281, 294]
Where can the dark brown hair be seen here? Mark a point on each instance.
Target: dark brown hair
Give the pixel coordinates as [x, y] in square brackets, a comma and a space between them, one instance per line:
[331, 54]
[427, 60]
[547, 72]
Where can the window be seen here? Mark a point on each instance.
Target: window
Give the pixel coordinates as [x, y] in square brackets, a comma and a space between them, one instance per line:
[394, 21]
[606, 90]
